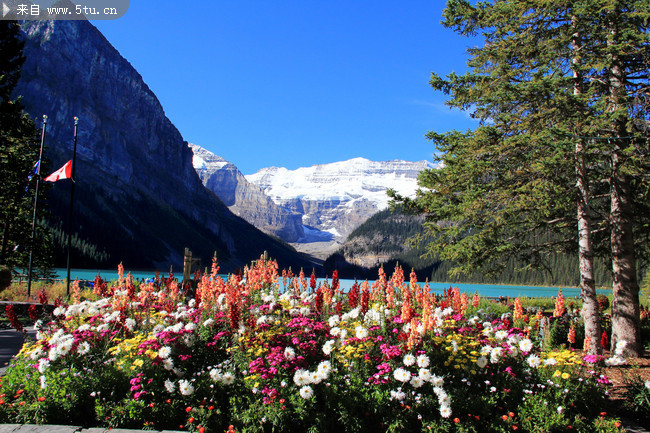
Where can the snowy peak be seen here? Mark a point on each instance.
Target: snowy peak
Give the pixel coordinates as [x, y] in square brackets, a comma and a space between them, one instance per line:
[243, 198]
[339, 196]
[344, 180]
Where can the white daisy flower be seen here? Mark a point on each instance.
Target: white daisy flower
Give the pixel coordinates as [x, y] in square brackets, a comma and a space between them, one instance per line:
[416, 382]
[424, 374]
[325, 367]
[306, 392]
[289, 353]
[168, 364]
[215, 375]
[423, 361]
[43, 365]
[65, 346]
[185, 387]
[402, 375]
[445, 411]
[409, 360]
[328, 347]
[496, 354]
[361, 332]
[534, 361]
[37, 354]
[83, 348]
[228, 378]
[301, 377]
[165, 352]
[526, 345]
[170, 386]
[437, 381]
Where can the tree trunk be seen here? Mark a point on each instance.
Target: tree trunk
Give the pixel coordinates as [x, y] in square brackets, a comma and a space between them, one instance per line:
[625, 288]
[586, 258]
[590, 313]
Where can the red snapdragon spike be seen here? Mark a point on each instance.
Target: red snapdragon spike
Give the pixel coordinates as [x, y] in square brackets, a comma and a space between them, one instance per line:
[604, 339]
[312, 280]
[42, 297]
[353, 295]
[365, 297]
[33, 313]
[13, 318]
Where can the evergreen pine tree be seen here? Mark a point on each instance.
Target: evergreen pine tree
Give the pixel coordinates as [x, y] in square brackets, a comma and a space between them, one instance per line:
[19, 151]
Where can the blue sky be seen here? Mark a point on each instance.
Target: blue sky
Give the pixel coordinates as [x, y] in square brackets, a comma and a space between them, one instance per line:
[294, 83]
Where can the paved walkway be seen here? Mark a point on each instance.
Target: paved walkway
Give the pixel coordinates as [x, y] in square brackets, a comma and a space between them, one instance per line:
[10, 343]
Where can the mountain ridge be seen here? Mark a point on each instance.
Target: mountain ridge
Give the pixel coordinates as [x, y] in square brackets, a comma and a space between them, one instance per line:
[337, 197]
[136, 193]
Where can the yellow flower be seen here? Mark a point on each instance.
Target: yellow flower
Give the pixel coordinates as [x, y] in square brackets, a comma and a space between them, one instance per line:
[565, 376]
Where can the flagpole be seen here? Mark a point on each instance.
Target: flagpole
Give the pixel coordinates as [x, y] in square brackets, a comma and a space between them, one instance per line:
[74, 157]
[38, 181]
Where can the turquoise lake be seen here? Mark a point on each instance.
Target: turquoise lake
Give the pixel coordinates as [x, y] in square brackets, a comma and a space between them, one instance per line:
[488, 290]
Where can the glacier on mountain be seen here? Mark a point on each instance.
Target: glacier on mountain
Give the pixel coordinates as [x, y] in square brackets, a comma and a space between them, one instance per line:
[339, 196]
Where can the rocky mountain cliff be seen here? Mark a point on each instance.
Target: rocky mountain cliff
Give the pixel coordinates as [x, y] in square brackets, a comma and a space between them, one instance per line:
[137, 195]
[243, 198]
[336, 198]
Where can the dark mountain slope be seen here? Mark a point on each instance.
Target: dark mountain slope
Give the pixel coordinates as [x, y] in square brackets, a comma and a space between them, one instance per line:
[137, 196]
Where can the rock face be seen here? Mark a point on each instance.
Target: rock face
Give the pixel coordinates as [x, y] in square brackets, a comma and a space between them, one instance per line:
[336, 198]
[243, 198]
[136, 192]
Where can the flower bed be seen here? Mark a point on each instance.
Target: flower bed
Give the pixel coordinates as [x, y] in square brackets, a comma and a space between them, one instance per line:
[271, 353]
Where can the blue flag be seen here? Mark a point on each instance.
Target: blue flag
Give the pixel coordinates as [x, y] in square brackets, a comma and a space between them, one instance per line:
[32, 173]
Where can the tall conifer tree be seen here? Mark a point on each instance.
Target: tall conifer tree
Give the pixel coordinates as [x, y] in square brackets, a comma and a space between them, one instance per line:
[19, 149]
[561, 148]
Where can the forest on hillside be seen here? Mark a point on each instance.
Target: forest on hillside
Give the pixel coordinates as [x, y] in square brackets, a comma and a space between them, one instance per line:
[389, 233]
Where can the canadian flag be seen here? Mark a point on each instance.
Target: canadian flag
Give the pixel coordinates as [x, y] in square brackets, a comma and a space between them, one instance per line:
[64, 172]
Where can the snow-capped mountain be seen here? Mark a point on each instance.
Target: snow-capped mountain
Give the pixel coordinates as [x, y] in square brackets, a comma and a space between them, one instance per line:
[336, 198]
[243, 198]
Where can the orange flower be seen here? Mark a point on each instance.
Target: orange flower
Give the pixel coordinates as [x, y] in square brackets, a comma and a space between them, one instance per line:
[456, 420]
[41, 399]
[504, 417]
[617, 424]
[511, 414]
[188, 409]
[191, 420]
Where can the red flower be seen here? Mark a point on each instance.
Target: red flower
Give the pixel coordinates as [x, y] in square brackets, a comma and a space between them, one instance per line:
[13, 318]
